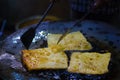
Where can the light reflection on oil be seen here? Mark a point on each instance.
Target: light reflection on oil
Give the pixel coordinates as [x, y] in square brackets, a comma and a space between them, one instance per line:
[15, 39]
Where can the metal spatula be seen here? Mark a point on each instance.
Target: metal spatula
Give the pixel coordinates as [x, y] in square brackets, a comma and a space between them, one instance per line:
[28, 36]
[96, 5]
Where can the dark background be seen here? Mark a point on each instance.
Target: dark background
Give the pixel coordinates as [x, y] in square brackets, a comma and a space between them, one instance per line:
[16, 10]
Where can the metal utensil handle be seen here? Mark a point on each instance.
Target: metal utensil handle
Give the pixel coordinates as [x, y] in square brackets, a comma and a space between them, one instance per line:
[3, 27]
[46, 12]
[69, 29]
[93, 7]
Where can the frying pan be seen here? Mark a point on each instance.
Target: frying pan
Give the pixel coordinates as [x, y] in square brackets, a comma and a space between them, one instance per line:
[101, 35]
